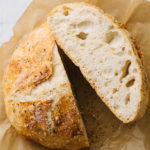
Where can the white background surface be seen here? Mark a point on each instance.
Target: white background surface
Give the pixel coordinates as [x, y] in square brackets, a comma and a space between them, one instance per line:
[10, 11]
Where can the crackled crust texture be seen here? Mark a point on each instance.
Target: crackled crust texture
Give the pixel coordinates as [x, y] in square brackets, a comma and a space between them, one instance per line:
[54, 123]
[60, 128]
[31, 63]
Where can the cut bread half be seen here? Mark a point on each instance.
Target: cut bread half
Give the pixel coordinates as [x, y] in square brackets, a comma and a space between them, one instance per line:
[105, 55]
[38, 97]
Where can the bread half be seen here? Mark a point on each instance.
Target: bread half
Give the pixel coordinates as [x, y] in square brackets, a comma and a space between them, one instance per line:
[38, 97]
[105, 55]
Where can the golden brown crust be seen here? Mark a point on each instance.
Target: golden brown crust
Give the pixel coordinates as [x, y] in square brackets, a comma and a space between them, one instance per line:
[138, 49]
[138, 55]
[54, 127]
[144, 90]
[54, 123]
[31, 63]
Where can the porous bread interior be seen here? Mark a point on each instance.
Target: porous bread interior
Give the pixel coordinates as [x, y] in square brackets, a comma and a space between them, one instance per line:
[103, 53]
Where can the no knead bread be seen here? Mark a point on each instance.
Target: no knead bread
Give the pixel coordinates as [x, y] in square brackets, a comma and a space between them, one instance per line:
[105, 55]
[38, 97]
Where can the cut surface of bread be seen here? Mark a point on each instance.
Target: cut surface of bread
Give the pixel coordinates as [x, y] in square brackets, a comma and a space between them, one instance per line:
[38, 98]
[105, 55]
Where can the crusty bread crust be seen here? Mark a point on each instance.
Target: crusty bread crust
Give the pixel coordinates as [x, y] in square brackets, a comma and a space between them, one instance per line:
[30, 119]
[50, 122]
[137, 54]
[31, 63]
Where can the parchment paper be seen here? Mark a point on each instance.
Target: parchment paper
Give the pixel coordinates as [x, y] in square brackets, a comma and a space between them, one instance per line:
[105, 131]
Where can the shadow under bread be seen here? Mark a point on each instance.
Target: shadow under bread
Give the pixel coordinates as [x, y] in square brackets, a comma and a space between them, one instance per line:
[99, 121]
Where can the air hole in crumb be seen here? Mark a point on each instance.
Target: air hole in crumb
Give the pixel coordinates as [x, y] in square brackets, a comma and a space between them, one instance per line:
[111, 27]
[101, 61]
[130, 83]
[106, 83]
[123, 48]
[85, 24]
[110, 36]
[115, 90]
[82, 35]
[72, 26]
[82, 44]
[65, 11]
[112, 48]
[125, 70]
[116, 73]
[116, 106]
[129, 52]
[127, 100]
[135, 70]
